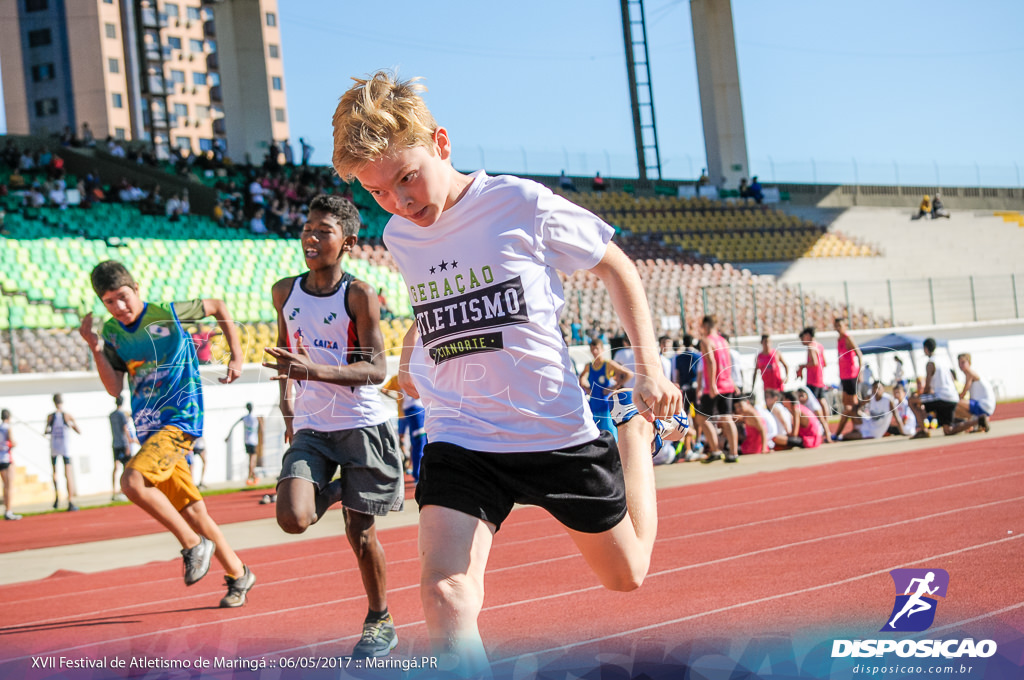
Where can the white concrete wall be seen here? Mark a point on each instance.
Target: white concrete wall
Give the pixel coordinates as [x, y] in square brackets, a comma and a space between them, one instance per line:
[997, 349]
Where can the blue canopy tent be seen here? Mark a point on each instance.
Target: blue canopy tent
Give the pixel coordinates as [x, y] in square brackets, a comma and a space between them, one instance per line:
[900, 342]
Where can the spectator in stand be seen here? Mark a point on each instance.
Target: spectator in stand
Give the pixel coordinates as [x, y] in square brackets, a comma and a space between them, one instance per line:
[744, 189]
[719, 391]
[925, 209]
[938, 395]
[26, 162]
[35, 197]
[703, 180]
[115, 149]
[565, 183]
[756, 192]
[289, 158]
[938, 210]
[307, 151]
[876, 418]
[256, 193]
[598, 184]
[977, 398]
[904, 420]
[770, 365]
[256, 224]
[851, 361]
[88, 140]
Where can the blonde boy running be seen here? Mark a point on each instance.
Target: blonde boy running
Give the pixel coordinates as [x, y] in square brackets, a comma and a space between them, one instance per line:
[508, 421]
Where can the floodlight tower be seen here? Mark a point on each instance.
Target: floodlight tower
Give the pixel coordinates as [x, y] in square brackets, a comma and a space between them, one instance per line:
[638, 67]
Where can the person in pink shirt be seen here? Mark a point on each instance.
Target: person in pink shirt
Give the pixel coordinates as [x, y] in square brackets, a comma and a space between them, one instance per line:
[813, 370]
[850, 362]
[772, 367]
[806, 425]
[716, 404]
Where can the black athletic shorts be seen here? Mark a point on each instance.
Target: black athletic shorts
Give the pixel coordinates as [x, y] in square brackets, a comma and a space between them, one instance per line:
[582, 486]
[4, 466]
[818, 391]
[121, 454]
[716, 406]
[250, 449]
[689, 397]
[943, 410]
[849, 387]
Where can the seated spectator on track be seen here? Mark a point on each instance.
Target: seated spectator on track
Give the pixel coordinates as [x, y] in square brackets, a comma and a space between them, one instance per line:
[938, 210]
[938, 395]
[977, 398]
[875, 417]
[925, 209]
[759, 427]
[806, 424]
[783, 416]
[904, 420]
[815, 406]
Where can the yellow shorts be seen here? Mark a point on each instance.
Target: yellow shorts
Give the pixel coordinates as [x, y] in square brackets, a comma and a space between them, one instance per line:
[161, 460]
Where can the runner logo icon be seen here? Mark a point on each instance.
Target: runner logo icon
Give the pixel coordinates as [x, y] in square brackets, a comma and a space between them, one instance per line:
[914, 609]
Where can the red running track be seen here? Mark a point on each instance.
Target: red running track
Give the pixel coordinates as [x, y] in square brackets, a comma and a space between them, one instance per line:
[802, 553]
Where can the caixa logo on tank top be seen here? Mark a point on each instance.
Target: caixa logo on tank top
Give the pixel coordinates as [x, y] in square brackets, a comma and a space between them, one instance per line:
[451, 313]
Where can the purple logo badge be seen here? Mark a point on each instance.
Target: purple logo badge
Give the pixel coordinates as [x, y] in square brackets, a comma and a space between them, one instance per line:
[915, 605]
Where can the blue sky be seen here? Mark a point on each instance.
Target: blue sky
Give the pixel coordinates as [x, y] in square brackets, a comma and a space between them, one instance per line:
[879, 91]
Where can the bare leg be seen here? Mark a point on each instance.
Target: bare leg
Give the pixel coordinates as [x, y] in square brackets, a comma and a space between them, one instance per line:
[8, 476]
[201, 522]
[362, 536]
[156, 504]
[69, 475]
[701, 422]
[454, 548]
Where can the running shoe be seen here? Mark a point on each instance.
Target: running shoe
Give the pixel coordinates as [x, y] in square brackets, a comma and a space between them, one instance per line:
[623, 411]
[378, 639]
[712, 457]
[197, 560]
[983, 423]
[11, 516]
[72, 507]
[237, 588]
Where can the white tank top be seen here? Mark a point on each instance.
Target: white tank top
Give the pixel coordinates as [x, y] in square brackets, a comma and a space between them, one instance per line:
[942, 382]
[57, 429]
[329, 335]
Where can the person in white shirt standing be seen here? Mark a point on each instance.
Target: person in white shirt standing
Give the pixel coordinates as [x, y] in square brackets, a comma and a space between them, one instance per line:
[980, 403]
[252, 429]
[57, 425]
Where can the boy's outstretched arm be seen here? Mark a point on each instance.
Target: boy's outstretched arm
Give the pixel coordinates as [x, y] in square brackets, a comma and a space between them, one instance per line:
[653, 395]
[112, 379]
[218, 310]
[370, 366]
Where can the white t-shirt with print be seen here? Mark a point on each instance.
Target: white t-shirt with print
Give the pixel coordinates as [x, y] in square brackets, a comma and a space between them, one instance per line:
[486, 296]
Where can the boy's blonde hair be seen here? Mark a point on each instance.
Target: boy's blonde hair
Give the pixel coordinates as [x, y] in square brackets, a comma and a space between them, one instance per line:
[965, 355]
[376, 116]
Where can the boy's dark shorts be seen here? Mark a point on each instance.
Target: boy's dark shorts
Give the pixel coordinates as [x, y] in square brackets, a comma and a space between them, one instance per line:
[716, 406]
[818, 391]
[849, 386]
[581, 486]
[121, 454]
[4, 466]
[372, 478]
[943, 410]
[250, 449]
